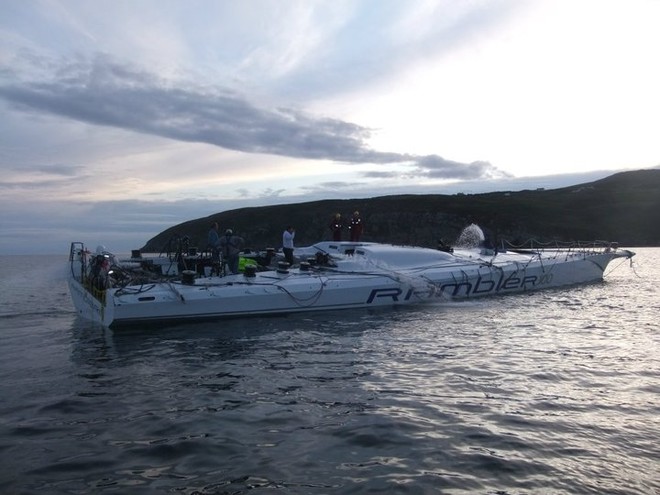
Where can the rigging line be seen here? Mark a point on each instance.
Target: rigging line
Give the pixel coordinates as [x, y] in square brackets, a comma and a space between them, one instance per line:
[632, 266]
[129, 291]
[394, 275]
[174, 289]
[299, 301]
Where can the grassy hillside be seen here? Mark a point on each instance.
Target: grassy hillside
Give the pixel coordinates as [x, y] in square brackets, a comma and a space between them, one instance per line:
[624, 207]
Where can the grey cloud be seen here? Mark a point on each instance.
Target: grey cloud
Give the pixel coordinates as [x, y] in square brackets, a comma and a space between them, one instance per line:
[268, 193]
[110, 94]
[380, 175]
[54, 169]
[333, 185]
[331, 189]
[271, 193]
[33, 185]
[436, 167]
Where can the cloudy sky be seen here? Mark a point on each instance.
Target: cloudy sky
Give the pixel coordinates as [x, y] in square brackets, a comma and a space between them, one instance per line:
[121, 118]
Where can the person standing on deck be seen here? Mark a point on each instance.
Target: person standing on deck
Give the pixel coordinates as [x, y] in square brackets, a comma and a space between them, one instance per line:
[287, 244]
[213, 242]
[355, 227]
[231, 246]
[336, 226]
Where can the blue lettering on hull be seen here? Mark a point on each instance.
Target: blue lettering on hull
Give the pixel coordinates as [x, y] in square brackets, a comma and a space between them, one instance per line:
[392, 293]
[482, 286]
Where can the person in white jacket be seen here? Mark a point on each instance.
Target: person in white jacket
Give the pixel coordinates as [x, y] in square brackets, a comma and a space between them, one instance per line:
[287, 244]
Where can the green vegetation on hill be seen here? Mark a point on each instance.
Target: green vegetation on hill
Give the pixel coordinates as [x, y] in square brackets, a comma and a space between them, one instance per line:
[624, 207]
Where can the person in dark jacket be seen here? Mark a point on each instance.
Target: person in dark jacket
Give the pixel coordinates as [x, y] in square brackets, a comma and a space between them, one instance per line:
[355, 227]
[336, 226]
[213, 242]
[230, 246]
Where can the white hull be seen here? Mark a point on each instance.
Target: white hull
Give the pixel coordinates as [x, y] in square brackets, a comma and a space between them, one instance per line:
[371, 276]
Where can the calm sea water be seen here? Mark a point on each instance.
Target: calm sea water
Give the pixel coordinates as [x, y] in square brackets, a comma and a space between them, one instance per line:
[553, 393]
